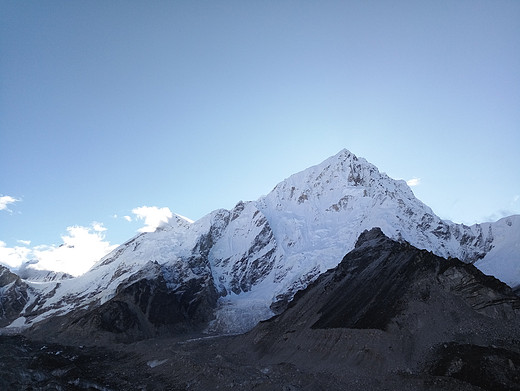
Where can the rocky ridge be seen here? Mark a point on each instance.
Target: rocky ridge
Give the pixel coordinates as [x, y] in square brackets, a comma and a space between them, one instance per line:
[389, 308]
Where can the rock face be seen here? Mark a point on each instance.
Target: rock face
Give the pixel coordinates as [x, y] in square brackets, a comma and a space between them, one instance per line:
[373, 283]
[13, 296]
[244, 265]
[391, 308]
[141, 308]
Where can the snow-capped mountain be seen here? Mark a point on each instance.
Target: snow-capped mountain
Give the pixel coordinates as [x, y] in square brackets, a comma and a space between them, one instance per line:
[244, 264]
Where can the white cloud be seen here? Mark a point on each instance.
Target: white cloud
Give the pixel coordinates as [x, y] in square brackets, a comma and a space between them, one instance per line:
[6, 200]
[82, 247]
[127, 218]
[25, 242]
[98, 227]
[13, 256]
[153, 217]
[413, 182]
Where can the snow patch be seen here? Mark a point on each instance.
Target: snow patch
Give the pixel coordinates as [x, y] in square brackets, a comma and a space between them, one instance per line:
[156, 363]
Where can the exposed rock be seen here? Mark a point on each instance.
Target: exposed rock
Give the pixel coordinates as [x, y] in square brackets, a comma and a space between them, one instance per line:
[13, 296]
[30, 365]
[488, 367]
[146, 308]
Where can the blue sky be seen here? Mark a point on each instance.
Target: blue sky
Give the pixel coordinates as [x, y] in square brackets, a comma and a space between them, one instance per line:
[106, 107]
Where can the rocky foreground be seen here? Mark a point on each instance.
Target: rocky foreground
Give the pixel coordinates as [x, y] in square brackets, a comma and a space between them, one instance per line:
[210, 365]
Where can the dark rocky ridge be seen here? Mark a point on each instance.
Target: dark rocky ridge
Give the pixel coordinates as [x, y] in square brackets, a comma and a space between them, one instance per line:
[13, 296]
[372, 283]
[146, 308]
[390, 308]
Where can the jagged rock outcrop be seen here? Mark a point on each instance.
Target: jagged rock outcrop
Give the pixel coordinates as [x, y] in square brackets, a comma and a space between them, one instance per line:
[143, 307]
[391, 308]
[14, 296]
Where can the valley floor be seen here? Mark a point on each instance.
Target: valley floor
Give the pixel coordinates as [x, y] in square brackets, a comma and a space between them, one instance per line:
[195, 363]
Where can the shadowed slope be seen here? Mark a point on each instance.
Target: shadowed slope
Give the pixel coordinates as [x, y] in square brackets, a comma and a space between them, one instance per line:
[390, 308]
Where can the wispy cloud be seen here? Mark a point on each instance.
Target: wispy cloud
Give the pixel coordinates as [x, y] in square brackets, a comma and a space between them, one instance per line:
[497, 215]
[413, 182]
[127, 218]
[98, 227]
[82, 247]
[24, 242]
[153, 217]
[6, 200]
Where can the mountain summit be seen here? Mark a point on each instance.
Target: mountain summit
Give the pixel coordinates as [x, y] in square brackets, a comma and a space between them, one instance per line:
[232, 268]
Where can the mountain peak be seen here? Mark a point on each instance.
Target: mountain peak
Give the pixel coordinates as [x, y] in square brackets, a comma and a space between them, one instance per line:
[370, 235]
[176, 221]
[336, 180]
[343, 155]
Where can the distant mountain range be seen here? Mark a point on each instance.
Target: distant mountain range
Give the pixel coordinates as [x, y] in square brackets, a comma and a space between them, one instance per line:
[233, 268]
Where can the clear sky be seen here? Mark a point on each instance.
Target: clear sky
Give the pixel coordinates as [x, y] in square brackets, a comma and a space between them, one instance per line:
[110, 106]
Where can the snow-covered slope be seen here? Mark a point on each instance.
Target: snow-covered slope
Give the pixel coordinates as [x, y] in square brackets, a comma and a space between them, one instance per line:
[340, 198]
[257, 255]
[503, 259]
[318, 214]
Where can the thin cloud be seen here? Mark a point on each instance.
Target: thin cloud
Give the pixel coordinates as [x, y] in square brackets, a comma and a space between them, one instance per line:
[127, 218]
[153, 217]
[413, 182]
[499, 214]
[24, 242]
[6, 200]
